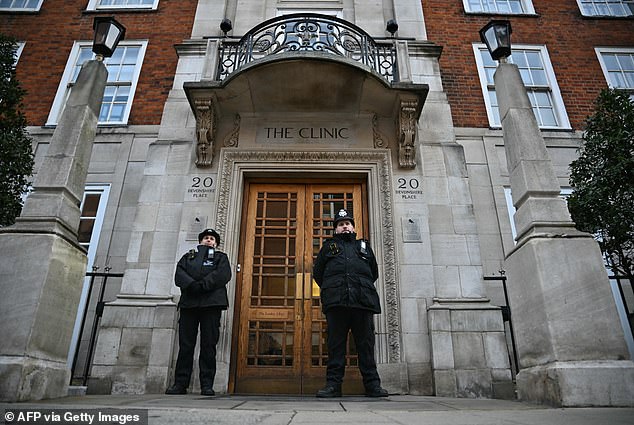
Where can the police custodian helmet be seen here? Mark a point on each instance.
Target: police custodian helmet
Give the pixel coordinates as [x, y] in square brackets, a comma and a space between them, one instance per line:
[343, 215]
[211, 232]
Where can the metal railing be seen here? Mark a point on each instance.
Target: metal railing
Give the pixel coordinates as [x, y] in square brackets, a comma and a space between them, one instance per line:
[308, 32]
[623, 282]
[95, 324]
[506, 317]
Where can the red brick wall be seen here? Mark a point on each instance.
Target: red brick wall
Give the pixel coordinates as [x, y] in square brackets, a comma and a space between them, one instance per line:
[569, 38]
[50, 34]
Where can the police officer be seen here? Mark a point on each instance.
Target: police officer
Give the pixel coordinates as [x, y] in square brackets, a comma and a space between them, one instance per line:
[202, 275]
[345, 270]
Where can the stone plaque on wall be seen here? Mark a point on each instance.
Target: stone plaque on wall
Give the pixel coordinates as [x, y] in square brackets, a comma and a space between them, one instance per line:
[411, 230]
[196, 226]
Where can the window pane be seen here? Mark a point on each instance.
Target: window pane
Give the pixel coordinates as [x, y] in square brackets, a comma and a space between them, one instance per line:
[516, 7]
[91, 203]
[489, 73]
[617, 80]
[116, 113]
[122, 94]
[626, 62]
[533, 59]
[104, 112]
[542, 99]
[548, 117]
[116, 55]
[108, 94]
[519, 59]
[526, 77]
[85, 230]
[611, 63]
[495, 110]
[487, 59]
[539, 78]
[127, 73]
[113, 73]
[130, 55]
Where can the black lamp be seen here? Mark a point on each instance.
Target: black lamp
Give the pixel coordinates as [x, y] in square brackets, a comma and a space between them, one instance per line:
[226, 26]
[108, 33]
[497, 36]
[392, 26]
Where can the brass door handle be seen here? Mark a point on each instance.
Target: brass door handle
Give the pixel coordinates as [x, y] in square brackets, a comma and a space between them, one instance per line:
[308, 286]
[298, 286]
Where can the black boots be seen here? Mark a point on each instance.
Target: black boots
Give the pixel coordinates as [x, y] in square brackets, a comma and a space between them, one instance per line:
[329, 391]
[376, 392]
[176, 389]
[207, 391]
[334, 390]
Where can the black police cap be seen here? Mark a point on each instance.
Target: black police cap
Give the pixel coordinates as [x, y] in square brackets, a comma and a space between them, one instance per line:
[211, 232]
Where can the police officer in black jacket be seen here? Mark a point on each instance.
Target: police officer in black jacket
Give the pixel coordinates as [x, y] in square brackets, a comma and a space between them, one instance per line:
[202, 275]
[345, 270]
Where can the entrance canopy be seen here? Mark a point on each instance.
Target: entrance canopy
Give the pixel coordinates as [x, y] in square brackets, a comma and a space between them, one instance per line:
[305, 64]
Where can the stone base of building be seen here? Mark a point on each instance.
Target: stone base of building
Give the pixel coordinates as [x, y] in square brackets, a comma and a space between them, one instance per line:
[469, 354]
[393, 377]
[41, 274]
[27, 379]
[578, 384]
[134, 347]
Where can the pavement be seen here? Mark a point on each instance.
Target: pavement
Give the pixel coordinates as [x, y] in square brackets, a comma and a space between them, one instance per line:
[294, 410]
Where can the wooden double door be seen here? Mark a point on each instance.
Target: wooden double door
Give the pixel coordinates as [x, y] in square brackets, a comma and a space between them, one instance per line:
[279, 344]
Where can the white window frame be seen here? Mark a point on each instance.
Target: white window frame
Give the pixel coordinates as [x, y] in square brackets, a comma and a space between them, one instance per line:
[96, 5]
[63, 90]
[18, 51]
[558, 102]
[527, 8]
[104, 191]
[605, 2]
[22, 9]
[600, 51]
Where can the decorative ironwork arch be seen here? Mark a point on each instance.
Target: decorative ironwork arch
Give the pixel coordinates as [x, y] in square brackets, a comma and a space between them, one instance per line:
[302, 32]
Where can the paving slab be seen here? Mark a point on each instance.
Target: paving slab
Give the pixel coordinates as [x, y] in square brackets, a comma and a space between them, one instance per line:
[195, 409]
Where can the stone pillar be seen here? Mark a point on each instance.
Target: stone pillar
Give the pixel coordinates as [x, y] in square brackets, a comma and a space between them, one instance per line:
[42, 266]
[571, 347]
[469, 357]
[137, 332]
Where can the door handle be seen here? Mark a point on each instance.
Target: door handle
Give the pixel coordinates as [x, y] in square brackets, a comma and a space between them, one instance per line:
[308, 286]
[298, 286]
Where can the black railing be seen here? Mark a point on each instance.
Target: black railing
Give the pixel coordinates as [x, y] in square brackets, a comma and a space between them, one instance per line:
[623, 282]
[83, 378]
[506, 316]
[304, 32]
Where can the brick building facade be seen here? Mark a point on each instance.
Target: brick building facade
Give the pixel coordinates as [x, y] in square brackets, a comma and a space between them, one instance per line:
[326, 110]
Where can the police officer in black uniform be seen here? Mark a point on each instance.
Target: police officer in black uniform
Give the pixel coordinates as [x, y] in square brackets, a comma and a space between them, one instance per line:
[345, 270]
[202, 275]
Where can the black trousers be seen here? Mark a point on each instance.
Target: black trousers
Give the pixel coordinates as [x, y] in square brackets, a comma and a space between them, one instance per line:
[340, 320]
[208, 318]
